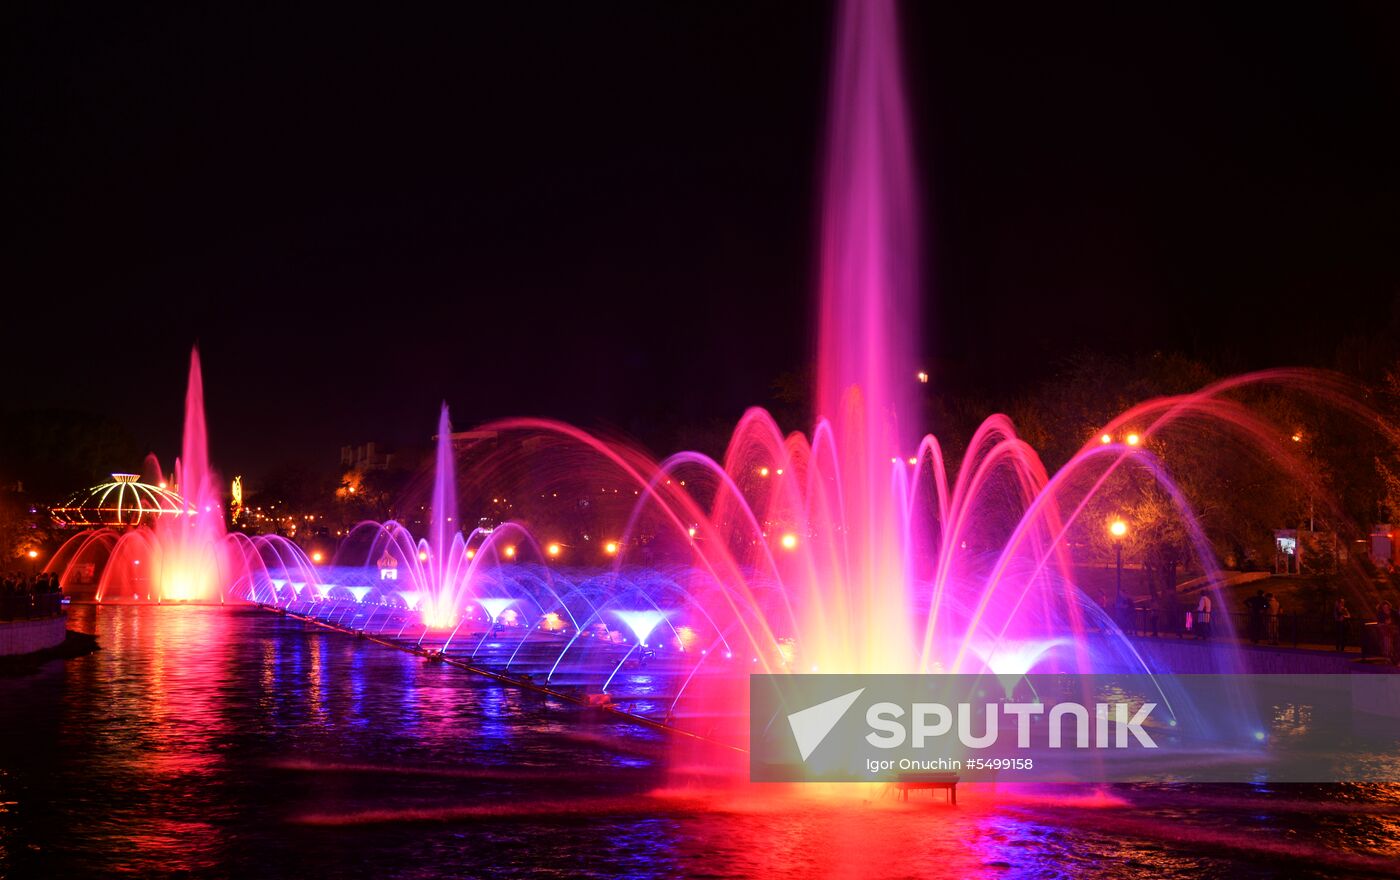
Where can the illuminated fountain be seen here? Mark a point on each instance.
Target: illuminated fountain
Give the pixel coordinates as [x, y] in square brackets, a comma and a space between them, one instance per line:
[183, 552]
[430, 577]
[849, 550]
[856, 548]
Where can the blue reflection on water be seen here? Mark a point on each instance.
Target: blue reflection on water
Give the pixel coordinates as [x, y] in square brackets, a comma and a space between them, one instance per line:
[204, 741]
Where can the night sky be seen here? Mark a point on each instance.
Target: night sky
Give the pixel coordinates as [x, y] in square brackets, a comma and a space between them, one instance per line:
[606, 212]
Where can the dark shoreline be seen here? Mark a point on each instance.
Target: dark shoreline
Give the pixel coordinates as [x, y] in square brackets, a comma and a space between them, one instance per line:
[75, 644]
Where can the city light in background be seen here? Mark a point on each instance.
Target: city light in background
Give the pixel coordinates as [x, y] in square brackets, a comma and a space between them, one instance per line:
[669, 269]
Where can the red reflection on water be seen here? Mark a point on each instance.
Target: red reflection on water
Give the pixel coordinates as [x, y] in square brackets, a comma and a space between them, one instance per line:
[164, 743]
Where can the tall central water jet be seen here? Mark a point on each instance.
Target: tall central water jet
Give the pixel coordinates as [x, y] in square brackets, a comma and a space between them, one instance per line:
[443, 528]
[852, 550]
[196, 567]
[868, 318]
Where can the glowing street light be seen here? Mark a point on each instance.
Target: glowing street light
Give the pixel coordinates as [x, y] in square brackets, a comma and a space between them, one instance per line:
[610, 548]
[422, 555]
[553, 549]
[317, 556]
[789, 541]
[1133, 439]
[510, 551]
[922, 376]
[763, 472]
[33, 554]
[1118, 529]
[1105, 439]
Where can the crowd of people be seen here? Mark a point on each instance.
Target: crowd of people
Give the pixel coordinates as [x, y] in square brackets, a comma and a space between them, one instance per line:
[35, 595]
[16, 584]
[1265, 611]
[1265, 616]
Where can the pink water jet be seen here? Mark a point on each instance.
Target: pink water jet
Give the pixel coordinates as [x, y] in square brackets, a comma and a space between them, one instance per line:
[189, 556]
[867, 320]
[855, 548]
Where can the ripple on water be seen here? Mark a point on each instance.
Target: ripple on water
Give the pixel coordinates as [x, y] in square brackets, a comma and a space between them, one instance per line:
[208, 741]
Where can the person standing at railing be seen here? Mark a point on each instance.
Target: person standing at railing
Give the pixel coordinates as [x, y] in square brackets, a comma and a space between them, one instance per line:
[1272, 610]
[1257, 606]
[1201, 625]
[1171, 611]
[1124, 611]
[1341, 616]
[1385, 628]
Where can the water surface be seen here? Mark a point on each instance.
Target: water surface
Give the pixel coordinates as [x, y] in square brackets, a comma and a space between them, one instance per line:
[219, 742]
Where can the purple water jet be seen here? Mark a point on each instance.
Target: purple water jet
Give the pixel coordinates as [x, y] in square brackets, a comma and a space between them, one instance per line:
[856, 548]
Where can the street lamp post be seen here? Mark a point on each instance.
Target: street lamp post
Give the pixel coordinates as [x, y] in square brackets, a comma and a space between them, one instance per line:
[1118, 529]
[1118, 585]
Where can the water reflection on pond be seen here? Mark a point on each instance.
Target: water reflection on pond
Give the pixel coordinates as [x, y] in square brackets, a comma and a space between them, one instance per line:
[217, 741]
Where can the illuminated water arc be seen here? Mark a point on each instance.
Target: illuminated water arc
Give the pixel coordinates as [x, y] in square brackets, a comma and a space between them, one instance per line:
[895, 563]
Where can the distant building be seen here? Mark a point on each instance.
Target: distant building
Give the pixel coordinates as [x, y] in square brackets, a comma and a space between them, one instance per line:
[1298, 551]
[365, 457]
[1383, 545]
[388, 567]
[464, 440]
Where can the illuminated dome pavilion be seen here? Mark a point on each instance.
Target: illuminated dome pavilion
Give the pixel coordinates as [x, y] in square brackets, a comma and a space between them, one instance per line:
[125, 501]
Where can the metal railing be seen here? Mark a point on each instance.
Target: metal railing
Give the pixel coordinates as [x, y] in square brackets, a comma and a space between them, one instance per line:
[29, 606]
[1293, 630]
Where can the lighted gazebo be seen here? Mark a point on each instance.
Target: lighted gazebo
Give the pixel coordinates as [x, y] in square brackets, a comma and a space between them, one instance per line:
[124, 502]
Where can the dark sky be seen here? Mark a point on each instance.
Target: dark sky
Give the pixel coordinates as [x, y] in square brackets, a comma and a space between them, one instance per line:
[605, 212]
